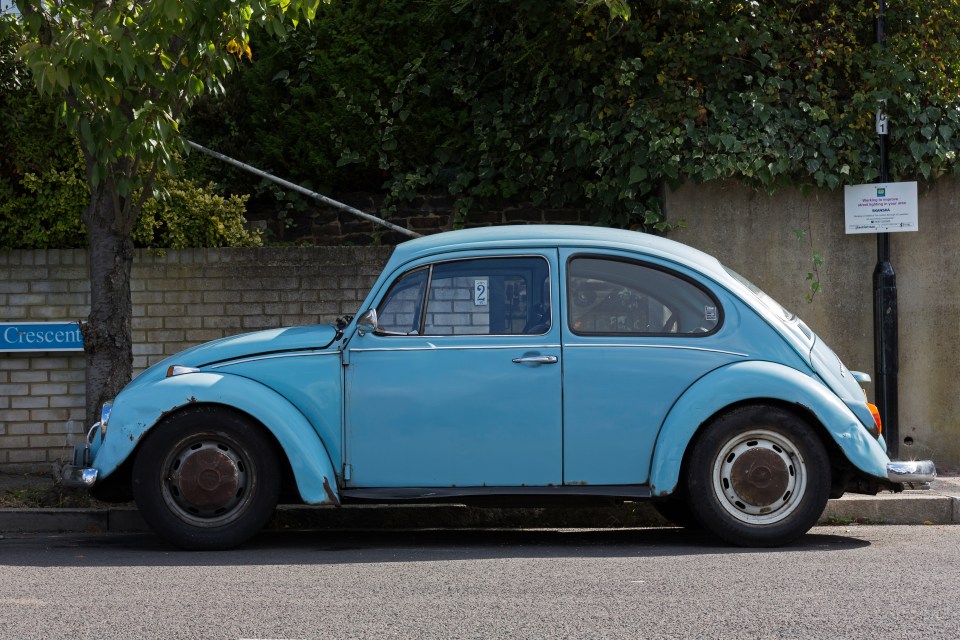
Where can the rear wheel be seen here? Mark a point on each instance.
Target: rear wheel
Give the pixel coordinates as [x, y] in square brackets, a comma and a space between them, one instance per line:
[206, 478]
[759, 476]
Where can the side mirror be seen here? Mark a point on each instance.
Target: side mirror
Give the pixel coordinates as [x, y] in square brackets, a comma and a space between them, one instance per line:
[367, 322]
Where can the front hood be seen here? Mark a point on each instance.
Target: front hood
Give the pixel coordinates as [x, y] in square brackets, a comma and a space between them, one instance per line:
[244, 346]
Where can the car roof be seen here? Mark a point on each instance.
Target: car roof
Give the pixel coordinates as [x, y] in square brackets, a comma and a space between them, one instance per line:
[577, 236]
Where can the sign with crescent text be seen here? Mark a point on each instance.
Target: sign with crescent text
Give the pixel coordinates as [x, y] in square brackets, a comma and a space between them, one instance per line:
[40, 336]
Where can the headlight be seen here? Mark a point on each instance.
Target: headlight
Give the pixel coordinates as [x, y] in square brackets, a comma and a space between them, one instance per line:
[105, 417]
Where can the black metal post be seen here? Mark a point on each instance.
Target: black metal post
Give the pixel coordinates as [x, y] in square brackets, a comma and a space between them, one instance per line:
[885, 324]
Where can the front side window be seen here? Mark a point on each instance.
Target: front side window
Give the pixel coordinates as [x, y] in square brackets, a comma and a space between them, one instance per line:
[488, 296]
[609, 296]
[402, 308]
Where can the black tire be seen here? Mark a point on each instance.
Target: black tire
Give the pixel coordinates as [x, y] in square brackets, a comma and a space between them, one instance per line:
[758, 476]
[206, 478]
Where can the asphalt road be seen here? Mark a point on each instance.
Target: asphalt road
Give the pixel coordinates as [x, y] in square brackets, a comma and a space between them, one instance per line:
[837, 582]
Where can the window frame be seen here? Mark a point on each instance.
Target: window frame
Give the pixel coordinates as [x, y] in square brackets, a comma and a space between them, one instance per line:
[425, 301]
[647, 265]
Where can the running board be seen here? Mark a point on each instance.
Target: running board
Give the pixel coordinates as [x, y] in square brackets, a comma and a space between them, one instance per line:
[446, 494]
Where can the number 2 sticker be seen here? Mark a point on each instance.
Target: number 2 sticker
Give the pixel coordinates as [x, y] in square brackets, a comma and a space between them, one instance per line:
[480, 288]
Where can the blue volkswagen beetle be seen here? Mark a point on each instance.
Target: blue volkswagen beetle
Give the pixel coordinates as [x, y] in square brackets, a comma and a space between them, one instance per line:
[548, 364]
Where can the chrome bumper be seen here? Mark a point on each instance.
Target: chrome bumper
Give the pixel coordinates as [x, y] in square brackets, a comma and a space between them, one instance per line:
[80, 474]
[911, 471]
[78, 477]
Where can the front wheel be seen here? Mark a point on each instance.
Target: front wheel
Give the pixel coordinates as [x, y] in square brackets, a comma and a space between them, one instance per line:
[206, 478]
[759, 476]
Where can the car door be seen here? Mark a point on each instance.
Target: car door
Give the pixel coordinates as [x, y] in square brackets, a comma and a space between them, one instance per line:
[637, 333]
[460, 385]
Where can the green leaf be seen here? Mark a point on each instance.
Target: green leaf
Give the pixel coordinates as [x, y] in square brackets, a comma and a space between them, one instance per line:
[637, 174]
[195, 86]
[762, 58]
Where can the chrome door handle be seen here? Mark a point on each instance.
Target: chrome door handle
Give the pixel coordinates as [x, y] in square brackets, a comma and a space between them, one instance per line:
[536, 360]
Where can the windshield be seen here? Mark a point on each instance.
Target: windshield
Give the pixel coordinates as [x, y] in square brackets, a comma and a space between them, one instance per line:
[769, 302]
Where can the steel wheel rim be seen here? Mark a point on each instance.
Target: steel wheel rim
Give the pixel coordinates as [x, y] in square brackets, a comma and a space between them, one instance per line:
[208, 481]
[759, 477]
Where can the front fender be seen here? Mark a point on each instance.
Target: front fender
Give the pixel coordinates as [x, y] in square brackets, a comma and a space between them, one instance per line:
[758, 381]
[138, 410]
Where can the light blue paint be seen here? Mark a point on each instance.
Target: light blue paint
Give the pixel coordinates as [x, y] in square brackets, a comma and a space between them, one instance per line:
[309, 381]
[611, 420]
[448, 410]
[439, 411]
[759, 381]
[435, 417]
[134, 413]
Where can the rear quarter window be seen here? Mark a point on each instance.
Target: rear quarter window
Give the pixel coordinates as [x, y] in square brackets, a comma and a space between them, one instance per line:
[607, 296]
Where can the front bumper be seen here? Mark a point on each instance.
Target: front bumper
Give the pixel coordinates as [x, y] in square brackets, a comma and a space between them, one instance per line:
[78, 477]
[81, 474]
[911, 471]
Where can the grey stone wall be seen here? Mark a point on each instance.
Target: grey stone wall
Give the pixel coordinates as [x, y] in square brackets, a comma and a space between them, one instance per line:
[754, 233]
[180, 298]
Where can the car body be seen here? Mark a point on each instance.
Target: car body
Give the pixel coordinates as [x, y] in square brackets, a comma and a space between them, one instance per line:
[534, 364]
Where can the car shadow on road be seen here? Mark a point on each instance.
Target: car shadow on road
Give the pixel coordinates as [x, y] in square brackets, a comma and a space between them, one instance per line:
[396, 546]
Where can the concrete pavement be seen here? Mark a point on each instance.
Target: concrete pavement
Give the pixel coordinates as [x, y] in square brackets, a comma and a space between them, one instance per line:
[939, 504]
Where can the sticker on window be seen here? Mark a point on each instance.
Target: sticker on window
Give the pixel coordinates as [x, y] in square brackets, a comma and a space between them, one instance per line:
[710, 314]
[480, 287]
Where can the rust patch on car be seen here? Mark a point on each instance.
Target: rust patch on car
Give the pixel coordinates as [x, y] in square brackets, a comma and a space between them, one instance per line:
[330, 494]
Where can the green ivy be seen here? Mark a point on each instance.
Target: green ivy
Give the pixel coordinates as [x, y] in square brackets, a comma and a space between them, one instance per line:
[557, 104]
[560, 105]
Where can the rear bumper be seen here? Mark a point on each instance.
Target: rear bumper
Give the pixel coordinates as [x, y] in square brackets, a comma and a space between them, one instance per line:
[911, 471]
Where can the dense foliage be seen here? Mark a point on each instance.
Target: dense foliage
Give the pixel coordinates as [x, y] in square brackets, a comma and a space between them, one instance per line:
[44, 190]
[559, 106]
[123, 74]
[548, 103]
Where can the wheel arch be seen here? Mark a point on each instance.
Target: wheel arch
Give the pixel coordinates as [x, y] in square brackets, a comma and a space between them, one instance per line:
[135, 416]
[288, 480]
[838, 461]
[847, 442]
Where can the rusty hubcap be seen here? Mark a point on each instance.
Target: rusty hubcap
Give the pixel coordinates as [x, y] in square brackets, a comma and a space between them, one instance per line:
[759, 477]
[208, 482]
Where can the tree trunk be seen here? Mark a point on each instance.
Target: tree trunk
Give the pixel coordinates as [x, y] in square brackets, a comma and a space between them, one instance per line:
[107, 335]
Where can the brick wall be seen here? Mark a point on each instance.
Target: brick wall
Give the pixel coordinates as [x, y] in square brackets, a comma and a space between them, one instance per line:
[180, 298]
[322, 225]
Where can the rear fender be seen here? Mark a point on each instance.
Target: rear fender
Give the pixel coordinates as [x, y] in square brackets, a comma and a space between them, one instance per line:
[138, 411]
[759, 381]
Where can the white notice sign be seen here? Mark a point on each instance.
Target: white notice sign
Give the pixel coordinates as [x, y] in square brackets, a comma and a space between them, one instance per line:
[881, 208]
